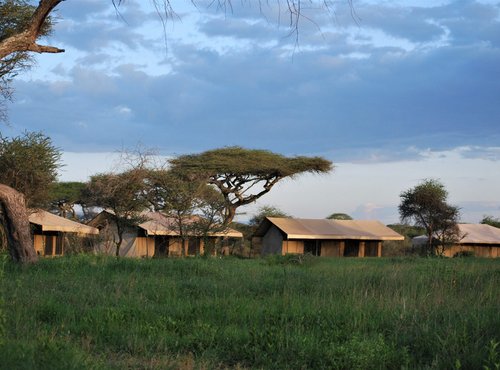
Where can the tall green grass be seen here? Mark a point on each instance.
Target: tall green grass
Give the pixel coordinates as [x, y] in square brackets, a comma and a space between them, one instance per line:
[98, 312]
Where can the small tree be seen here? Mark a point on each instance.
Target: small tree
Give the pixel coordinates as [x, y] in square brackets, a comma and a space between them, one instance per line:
[490, 220]
[123, 194]
[339, 216]
[65, 195]
[174, 197]
[244, 175]
[29, 164]
[266, 211]
[426, 205]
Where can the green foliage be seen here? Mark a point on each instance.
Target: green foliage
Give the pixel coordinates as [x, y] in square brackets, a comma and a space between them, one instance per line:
[264, 313]
[266, 211]
[339, 216]
[240, 161]
[490, 220]
[64, 195]
[29, 163]
[426, 205]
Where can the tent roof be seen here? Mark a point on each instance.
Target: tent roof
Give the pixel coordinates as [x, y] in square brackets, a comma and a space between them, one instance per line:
[51, 222]
[470, 234]
[329, 229]
[479, 234]
[159, 224]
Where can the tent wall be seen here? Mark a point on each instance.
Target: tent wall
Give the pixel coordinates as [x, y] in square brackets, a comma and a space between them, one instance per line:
[479, 250]
[272, 242]
[49, 243]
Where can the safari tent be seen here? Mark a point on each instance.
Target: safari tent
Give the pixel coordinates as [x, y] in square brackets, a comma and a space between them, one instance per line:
[157, 235]
[478, 239]
[49, 232]
[323, 237]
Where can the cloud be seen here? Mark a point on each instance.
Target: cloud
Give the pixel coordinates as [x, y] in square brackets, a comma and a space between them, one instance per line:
[358, 95]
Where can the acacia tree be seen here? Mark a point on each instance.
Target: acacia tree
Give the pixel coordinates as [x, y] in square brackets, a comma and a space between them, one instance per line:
[15, 15]
[244, 175]
[426, 205]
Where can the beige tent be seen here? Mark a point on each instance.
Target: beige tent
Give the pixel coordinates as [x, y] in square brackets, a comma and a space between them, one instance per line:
[49, 232]
[157, 235]
[481, 240]
[159, 224]
[323, 237]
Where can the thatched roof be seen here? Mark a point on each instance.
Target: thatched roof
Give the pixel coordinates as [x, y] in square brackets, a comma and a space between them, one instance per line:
[50, 222]
[296, 228]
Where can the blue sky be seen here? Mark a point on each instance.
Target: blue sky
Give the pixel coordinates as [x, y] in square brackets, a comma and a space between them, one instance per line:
[405, 90]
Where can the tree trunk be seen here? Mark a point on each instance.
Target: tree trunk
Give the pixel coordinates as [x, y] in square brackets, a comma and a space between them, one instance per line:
[17, 227]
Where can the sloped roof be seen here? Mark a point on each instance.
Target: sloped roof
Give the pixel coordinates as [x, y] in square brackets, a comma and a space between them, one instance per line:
[296, 228]
[478, 234]
[470, 234]
[159, 224]
[51, 222]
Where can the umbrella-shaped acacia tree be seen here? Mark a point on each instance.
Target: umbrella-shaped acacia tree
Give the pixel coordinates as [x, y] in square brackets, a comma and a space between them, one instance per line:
[244, 175]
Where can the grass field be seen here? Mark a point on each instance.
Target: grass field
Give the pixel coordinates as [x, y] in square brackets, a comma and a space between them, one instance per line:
[276, 313]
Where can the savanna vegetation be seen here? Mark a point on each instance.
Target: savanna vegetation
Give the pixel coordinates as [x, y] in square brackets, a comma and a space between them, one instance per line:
[291, 312]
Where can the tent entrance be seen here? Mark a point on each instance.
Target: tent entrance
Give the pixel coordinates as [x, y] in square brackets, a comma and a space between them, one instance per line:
[312, 247]
[351, 248]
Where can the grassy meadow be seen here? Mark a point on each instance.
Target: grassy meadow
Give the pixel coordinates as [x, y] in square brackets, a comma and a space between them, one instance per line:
[275, 313]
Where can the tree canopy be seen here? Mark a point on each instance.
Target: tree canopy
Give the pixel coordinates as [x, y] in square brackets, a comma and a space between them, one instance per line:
[339, 216]
[490, 220]
[266, 211]
[65, 195]
[244, 175]
[29, 164]
[426, 205]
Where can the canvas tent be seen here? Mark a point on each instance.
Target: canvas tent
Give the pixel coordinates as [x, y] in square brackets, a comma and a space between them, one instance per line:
[479, 239]
[156, 235]
[323, 237]
[49, 232]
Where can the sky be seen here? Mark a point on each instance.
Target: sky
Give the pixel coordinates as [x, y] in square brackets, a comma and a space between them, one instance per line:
[392, 92]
